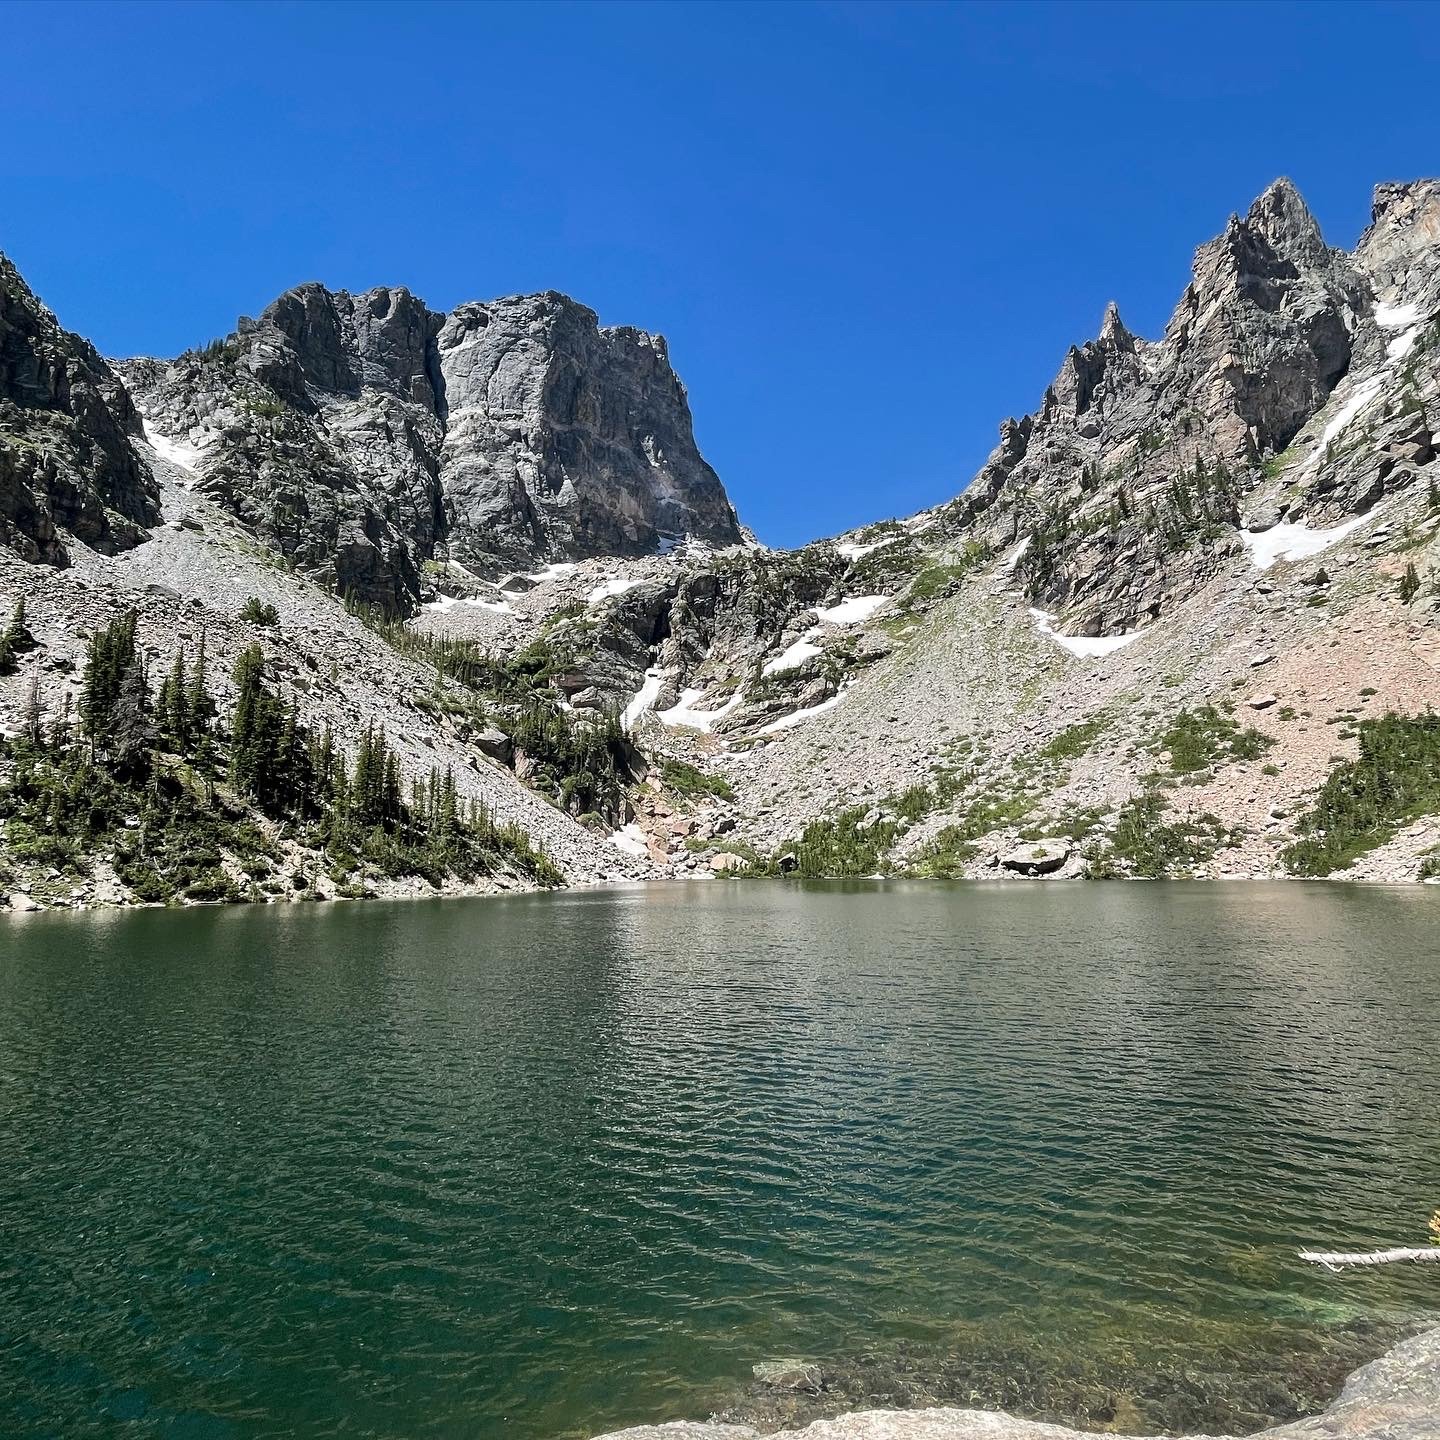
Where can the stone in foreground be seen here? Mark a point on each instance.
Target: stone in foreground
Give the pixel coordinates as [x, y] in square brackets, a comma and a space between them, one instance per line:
[1396, 1397]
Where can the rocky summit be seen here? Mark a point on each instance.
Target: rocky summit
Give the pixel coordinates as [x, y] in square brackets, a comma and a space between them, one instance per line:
[1184, 621]
[362, 437]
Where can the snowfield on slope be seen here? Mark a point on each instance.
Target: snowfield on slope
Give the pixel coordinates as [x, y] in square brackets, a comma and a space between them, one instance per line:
[851, 610]
[1084, 646]
[684, 713]
[1295, 541]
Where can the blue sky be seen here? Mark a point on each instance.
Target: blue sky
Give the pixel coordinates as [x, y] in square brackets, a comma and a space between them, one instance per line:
[869, 231]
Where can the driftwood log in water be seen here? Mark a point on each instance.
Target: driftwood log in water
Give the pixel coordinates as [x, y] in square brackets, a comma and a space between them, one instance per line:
[1335, 1259]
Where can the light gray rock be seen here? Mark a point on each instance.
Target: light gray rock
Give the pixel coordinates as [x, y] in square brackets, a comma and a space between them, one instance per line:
[1396, 1397]
[1039, 857]
[68, 469]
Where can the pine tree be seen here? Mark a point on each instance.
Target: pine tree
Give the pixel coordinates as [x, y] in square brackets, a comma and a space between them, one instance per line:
[34, 721]
[1410, 584]
[130, 734]
[18, 632]
[173, 706]
[202, 709]
[110, 655]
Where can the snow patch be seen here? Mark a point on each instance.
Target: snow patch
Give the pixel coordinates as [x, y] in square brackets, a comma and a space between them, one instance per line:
[1295, 541]
[1395, 317]
[685, 714]
[797, 654]
[1085, 646]
[643, 698]
[1402, 344]
[785, 722]
[177, 452]
[449, 602]
[853, 551]
[631, 839]
[852, 609]
[553, 571]
[1016, 555]
[1363, 395]
[610, 587]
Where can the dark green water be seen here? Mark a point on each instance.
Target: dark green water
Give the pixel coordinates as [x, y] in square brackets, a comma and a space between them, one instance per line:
[538, 1167]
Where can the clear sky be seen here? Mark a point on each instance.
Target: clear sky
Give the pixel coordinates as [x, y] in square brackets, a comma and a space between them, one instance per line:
[869, 231]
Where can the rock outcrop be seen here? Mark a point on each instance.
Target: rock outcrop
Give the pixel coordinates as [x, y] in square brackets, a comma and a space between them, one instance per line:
[1396, 1397]
[361, 436]
[67, 467]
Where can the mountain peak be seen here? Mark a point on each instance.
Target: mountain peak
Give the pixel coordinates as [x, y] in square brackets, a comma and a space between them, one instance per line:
[1282, 217]
[1112, 328]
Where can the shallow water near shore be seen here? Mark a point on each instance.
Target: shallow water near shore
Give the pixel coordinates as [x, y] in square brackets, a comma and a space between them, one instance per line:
[543, 1166]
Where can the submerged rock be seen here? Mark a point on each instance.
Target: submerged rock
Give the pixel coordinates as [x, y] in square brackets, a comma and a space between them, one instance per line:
[1396, 1397]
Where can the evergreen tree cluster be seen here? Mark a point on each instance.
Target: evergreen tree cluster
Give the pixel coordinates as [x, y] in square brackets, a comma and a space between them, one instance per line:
[1393, 780]
[158, 785]
[583, 763]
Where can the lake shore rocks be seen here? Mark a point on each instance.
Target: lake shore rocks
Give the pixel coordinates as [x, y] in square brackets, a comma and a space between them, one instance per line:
[1396, 1397]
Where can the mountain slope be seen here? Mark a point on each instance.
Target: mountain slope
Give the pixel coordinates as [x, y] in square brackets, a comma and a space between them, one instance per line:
[1159, 633]
[1211, 530]
[362, 436]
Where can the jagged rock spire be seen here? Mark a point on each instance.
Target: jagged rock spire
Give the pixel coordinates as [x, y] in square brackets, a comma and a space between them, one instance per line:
[1282, 217]
[1113, 331]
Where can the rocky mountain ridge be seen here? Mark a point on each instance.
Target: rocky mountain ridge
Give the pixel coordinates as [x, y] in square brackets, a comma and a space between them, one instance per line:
[1166, 615]
[364, 436]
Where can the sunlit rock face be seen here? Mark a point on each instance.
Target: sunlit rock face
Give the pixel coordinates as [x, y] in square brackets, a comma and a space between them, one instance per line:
[361, 435]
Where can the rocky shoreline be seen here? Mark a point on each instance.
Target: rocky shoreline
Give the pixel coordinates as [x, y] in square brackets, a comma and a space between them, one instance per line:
[1395, 1397]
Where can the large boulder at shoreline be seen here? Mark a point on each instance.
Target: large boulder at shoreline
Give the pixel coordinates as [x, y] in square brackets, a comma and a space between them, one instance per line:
[1042, 857]
[1396, 1397]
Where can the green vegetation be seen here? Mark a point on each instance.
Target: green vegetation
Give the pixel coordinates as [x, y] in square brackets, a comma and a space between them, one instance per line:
[690, 782]
[1142, 843]
[1207, 736]
[180, 803]
[945, 579]
[1076, 740]
[15, 640]
[1393, 780]
[582, 761]
[1409, 584]
[944, 856]
[259, 612]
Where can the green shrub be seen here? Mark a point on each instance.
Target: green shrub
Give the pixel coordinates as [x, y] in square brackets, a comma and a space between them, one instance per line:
[689, 781]
[1393, 780]
[1198, 738]
[259, 612]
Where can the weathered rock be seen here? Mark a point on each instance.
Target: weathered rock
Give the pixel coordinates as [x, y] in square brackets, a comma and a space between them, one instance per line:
[68, 467]
[787, 1374]
[1039, 857]
[1396, 1397]
[361, 435]
[496, 744]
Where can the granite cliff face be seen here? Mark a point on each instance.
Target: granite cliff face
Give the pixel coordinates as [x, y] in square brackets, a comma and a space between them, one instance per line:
[66, 463]
[362, 436]
[1240, 518]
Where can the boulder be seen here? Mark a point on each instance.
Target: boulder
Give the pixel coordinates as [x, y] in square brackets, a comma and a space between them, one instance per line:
[725, 862]
[1039, 857]
[496, 744]
[1261, 702]
[787, 1374]
[19, 900]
